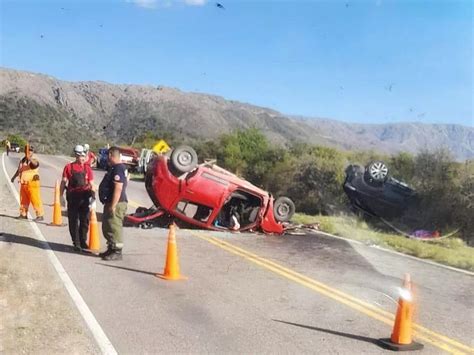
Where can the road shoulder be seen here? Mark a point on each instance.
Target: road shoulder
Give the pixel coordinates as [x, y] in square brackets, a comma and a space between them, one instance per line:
[38, 315]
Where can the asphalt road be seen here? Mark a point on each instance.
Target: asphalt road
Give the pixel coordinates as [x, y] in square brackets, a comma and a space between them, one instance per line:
[252, 293]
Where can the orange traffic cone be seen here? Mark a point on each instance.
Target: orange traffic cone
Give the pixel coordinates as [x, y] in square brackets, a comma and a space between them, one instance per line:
[401, 339]
[57, 216]
[172, 264]
[94, 239]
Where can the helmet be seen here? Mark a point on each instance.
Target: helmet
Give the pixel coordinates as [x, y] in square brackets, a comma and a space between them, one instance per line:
[86, 147]
[79, 150]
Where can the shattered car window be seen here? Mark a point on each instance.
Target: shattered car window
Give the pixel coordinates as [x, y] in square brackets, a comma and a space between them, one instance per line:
[198, 212]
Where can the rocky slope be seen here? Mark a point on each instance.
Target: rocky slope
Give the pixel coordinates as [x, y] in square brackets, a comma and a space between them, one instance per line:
[55, 113]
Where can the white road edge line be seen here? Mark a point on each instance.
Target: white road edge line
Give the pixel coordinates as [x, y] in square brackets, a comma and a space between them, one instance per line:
[397, 253]
[102, 340]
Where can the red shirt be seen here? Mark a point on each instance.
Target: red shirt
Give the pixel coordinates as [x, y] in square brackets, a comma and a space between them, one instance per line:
[74, 170]
[90, 157]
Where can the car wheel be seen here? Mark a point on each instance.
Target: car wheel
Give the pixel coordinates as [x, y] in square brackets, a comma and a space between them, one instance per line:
[377, 171]
[184, 159]
[283, 209]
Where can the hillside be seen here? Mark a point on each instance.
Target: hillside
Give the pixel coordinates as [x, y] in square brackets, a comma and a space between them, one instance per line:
[56, 114]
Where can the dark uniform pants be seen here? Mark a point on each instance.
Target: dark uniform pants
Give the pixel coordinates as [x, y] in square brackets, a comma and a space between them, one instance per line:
[78, 217]
[112, 225]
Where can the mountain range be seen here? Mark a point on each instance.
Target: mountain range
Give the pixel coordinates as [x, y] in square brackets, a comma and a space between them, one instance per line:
[56, 114]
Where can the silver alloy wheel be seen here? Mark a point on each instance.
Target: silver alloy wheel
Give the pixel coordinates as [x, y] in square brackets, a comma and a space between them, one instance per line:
[378, 171]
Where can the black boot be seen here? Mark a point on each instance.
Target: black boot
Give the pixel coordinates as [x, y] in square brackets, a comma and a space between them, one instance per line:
[107, 252]
[114, 255]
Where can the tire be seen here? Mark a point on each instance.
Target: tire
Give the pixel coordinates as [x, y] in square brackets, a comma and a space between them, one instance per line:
[377, 171]
[184, 159]
[283, 209]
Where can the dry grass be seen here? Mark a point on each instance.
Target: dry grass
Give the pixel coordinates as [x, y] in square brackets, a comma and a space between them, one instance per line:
[451, 251]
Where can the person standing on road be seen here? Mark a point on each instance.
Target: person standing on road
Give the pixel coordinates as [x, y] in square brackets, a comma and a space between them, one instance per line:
[91, 158]
[78, 181]
[23, 166]
[24, 162]
[30, 191]
[112, 193]
[8, 146]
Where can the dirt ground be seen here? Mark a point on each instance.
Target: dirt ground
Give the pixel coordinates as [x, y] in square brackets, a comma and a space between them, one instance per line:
[37, 314]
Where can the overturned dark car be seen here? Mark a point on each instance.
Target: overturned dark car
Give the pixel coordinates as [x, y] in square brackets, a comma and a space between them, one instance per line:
[375, 192]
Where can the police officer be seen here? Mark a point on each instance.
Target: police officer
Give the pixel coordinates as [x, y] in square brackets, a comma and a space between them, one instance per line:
[78, 181]
[112, 193]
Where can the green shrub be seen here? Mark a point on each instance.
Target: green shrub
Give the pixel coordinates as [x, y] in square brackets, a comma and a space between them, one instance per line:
[16, 138]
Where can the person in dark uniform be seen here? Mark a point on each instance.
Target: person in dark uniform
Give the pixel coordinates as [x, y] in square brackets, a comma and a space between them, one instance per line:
[112, 193]
[78, 181]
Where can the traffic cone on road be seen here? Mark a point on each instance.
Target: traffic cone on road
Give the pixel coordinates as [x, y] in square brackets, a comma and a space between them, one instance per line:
[401, 339]
[94, 238]
[172, 263]
[57, 216]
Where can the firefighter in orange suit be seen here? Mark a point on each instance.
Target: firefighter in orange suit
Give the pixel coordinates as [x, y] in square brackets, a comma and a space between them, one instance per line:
[24, 163]
[30, 191]
[30, 187]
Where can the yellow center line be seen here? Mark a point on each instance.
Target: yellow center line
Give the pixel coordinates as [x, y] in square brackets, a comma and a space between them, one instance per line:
[353, 299]
[422, 333]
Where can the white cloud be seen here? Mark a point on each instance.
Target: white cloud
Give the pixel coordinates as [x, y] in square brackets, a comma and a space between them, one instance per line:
[195, 2]
[153, 4]
[147, 4]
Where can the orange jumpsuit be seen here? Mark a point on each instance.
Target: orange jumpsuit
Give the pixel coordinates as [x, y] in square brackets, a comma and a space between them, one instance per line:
[30, 192]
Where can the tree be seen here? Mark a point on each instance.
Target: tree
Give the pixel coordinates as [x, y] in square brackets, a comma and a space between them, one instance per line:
[15, 138]
[231, 155]
[245, 152]
[316, 184]
[402, 166]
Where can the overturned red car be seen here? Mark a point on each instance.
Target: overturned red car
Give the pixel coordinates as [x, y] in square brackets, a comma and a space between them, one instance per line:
[207, 196]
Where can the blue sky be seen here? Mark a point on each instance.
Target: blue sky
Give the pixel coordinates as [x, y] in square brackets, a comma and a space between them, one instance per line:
[366, 61]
